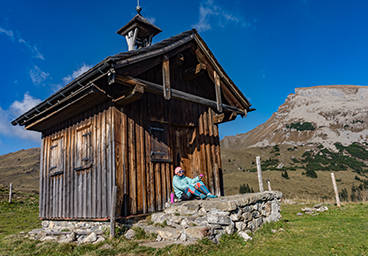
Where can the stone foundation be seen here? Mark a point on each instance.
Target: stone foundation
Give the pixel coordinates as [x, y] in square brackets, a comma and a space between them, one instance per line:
[71, 231]
[180, 222]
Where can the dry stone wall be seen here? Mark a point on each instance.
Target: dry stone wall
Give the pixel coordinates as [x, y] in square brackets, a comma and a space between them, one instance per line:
[192, 220]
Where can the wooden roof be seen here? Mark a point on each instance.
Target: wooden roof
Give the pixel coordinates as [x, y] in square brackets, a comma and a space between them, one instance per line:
[58, 99]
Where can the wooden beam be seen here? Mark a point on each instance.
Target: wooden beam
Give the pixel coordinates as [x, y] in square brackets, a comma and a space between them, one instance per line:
[175, 62]
[130, 95]
[194, 72]
[166, 77]
[224, 117]
[175, 94]
[217, 119]
[218, 91]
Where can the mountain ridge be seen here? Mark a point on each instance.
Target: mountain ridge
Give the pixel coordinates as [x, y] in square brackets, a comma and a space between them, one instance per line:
[312, 115]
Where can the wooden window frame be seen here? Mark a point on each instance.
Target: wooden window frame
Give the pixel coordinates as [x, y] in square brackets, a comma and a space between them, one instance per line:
[159, 142]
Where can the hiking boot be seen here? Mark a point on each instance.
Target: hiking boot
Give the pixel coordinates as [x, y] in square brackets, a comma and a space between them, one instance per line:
[203, 196]
[211, 196]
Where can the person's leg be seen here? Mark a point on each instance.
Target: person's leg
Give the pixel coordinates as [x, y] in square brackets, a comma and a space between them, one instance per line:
[186, 195]
[203, 187]
[195, 192]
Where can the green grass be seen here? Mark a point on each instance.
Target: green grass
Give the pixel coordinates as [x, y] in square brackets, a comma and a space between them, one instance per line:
[20, 215]
[339, 231]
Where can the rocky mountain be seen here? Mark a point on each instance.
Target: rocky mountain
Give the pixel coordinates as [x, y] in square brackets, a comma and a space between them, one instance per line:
[312, 116]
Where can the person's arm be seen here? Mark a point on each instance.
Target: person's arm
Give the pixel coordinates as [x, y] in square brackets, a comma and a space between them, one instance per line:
[177, 183]
[196, 179]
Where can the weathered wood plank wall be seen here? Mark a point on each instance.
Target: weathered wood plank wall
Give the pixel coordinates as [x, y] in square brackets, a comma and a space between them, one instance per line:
[144, 185]
[85, 192]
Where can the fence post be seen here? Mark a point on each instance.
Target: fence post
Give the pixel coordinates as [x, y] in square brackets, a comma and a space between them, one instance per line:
[10, 192]
[269, 185]
[113, 212]
[259, 171]
[217, 180]
[335, 188]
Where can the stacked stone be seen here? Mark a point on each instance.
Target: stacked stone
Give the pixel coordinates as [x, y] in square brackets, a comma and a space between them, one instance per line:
[192, 220]
[70, 231]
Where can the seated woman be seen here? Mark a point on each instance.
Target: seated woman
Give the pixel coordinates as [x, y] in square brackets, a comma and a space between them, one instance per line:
[186, 188]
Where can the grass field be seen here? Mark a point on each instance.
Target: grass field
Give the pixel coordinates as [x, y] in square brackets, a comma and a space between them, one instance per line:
[238, 167]
[339, 231]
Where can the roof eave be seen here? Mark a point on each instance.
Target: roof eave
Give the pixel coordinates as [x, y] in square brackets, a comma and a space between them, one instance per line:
[63, 92]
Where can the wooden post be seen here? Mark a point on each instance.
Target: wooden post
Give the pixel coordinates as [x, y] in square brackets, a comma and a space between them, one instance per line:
[335, 188]
[217, 191]
[259, 171]
[269, 185]
[166, 77]
[10, 192]
[218, 91]
[113, 212]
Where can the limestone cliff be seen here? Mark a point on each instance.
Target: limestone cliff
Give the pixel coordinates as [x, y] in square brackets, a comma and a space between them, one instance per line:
[315, 115]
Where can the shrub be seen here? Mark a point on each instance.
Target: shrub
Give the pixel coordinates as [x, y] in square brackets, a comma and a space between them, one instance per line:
[344, 195]
[311, 173]
[295, 160]
[285, 175]
[358, 151]
[306, 126]
[275, 149]
[245, 189]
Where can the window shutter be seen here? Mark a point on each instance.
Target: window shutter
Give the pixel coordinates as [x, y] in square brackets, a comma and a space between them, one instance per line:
[159, 142]
[83, 151]
[56, 156]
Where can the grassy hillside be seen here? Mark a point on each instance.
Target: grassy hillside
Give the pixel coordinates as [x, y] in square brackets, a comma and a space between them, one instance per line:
[307, 170]
[339, 231]
[21, 168]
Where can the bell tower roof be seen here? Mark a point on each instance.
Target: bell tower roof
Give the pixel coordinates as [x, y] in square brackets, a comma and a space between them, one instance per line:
[139, 31]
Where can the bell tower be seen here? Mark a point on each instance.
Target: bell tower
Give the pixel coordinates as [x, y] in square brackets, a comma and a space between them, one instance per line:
[139, 31]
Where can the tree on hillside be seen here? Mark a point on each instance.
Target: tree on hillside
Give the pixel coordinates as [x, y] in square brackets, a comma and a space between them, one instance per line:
[311, 173]
[285, 175]
[344, 195]
[245, 189]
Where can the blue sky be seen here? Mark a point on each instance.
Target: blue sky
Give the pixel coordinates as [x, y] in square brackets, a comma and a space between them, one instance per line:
[267, 47]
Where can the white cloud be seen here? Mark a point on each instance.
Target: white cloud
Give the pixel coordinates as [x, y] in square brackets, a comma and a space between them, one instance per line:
[37, 75]
[17, 108]
[212, 14]
[33, 49]
[9, 33]
[76, 73]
